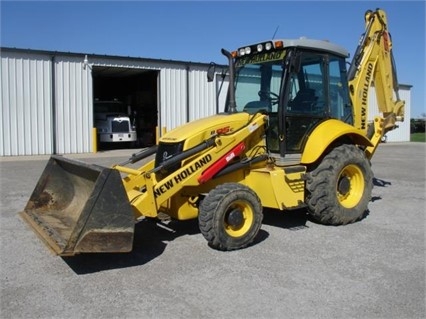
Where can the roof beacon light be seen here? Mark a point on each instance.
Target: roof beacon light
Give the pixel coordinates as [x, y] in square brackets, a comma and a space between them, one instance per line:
[279, 44]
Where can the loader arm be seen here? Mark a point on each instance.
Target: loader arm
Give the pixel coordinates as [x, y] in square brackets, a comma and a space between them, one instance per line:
[200, 163]
[373, 62]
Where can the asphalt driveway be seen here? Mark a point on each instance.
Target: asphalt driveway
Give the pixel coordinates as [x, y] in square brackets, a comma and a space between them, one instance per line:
[297, 269]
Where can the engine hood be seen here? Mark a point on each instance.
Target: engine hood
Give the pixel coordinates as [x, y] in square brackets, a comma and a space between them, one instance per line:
[197, 131]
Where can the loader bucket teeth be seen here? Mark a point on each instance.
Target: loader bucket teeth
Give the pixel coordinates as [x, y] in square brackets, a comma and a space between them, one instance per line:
[80, 208]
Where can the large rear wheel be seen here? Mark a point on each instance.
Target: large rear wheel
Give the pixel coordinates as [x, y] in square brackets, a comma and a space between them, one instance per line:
[230, 216]
[339, 189]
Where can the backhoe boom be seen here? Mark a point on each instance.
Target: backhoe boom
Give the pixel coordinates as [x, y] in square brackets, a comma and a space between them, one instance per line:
[373, 63]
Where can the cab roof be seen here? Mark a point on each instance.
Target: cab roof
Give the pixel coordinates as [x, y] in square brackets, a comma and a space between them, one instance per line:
[321, 45]
[317, 45]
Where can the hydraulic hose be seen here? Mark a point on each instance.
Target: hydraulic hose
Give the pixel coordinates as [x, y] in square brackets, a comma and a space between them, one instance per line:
[196, 149]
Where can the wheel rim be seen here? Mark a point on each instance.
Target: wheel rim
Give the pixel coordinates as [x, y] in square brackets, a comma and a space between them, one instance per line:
[238, 219]
[350, 186]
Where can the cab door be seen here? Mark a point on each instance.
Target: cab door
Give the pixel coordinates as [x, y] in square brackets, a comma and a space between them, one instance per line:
[315, 90]
[307, 100]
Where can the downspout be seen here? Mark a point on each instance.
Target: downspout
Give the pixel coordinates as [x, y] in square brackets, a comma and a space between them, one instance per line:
[159, 132]
[187, 93]
[53, 105]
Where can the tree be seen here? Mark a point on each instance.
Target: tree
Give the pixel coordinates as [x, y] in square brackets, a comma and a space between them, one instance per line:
[418, 125]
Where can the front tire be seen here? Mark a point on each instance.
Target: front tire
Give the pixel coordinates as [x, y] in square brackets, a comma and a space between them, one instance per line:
[230, 216]
[339, 189]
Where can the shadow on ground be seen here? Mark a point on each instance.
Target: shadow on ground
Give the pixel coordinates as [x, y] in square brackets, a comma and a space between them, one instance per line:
[291, 220]
[377, 182]
[380, 182]
[150, 241]
[152, 236]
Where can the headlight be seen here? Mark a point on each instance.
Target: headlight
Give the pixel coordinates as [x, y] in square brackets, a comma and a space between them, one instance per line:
[268, 46]
[259, 48]
[247, 50]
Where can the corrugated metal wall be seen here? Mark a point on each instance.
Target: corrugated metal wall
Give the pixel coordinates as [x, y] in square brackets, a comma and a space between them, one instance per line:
[185, 95]
[47, 99]
[29, 105]
[173, 104]
[202, 95]
[222, 90]
[26, 104]
[73, 106]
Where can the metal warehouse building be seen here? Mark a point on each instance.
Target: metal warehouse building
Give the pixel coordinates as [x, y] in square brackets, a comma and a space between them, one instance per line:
[47, 98]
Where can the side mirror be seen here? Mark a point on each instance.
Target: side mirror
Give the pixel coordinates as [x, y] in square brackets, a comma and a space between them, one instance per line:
[211, 72]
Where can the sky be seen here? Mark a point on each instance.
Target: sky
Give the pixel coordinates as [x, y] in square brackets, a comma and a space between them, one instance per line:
[197, 30]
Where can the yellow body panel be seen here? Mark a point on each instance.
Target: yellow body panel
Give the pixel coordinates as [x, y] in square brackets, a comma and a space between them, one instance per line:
[326, 133]
[200, 130]
[184, 206]
[181, 207]
[276, 188]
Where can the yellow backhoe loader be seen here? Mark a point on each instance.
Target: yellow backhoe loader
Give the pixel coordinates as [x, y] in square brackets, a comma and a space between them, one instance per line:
[295, 134]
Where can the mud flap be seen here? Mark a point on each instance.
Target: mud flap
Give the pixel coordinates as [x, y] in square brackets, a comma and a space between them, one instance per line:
[80, 208]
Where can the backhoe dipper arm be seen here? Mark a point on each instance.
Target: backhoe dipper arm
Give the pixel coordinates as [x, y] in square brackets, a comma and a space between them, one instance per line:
[373, 62]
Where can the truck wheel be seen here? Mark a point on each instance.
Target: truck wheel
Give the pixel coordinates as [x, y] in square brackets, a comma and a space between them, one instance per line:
[339, 189]
[230, 216]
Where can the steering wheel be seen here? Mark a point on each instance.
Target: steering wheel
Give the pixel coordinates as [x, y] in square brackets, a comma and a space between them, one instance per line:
[271, 96]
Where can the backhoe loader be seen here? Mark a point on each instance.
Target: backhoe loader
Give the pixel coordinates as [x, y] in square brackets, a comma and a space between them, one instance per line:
[294, 135]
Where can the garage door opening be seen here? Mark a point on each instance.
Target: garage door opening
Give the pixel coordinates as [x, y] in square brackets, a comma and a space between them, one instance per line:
[124, 95]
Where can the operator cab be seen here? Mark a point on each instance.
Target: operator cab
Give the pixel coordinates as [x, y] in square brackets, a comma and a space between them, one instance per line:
[298, 83]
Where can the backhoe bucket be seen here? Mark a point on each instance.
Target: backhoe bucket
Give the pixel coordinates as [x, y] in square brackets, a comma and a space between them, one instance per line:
[81, 208]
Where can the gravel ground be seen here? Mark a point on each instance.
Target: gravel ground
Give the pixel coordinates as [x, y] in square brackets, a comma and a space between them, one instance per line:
[296, 269]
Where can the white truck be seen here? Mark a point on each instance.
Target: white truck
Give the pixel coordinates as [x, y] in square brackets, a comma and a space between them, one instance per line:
[112, 122]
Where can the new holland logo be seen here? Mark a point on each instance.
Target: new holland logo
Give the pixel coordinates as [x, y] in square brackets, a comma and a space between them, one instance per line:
[172, 182]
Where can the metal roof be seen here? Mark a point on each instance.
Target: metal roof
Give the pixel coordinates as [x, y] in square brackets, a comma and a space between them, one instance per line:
[93, 55]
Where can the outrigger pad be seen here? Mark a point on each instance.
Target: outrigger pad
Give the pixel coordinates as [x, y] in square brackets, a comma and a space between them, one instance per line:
[80, 208]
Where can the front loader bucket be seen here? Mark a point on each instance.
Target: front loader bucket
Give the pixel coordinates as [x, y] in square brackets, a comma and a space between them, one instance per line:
[81, 208]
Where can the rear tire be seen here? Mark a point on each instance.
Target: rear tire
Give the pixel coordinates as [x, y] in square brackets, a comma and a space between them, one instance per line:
[230, 216]
[339, 189]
